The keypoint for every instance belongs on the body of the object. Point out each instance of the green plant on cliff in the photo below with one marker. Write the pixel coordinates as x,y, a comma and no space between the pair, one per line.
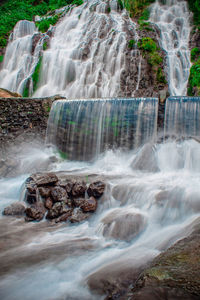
194,79
1,58
194,6
137,7
45,23
195,52
36,74
12,11
131,44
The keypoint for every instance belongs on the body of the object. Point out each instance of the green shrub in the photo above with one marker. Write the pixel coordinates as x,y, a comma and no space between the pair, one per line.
147,44
136,7
194,79
36,74
44,24
1,58
44,46
160,77
131,44
120,3
154,58
195,52
12,11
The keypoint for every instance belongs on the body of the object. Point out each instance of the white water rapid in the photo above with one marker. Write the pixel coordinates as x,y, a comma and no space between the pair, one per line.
173,20
86,54
21,57
151,200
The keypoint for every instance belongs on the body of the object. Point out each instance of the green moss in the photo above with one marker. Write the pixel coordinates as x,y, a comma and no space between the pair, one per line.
36,74
194,79
131,44
44,46
195,52
147,44
137,7
160,77
1,58
62,154
26,92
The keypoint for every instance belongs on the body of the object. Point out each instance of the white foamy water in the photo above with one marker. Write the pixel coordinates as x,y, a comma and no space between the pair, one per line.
173,20
142,213
21,57
86,55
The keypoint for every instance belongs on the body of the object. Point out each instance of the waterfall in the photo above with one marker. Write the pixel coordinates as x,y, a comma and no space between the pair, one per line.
173,20
182,116
21,57
83,129
87,52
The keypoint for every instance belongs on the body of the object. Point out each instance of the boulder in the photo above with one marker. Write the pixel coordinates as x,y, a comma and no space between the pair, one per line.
78,201
48,203
57,210
64,217
89,205
45,192
145,160
96,189
78,216
78,189
15,209
44,179
36,212
123,225
58,194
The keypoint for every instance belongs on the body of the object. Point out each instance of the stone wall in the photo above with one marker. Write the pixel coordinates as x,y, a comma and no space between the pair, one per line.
23,119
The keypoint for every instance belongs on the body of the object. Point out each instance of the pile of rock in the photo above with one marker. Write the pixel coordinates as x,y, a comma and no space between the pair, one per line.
59,201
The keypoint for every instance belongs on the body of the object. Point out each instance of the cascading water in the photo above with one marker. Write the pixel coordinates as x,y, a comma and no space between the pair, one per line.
182,116
83,129
21,56
173,20
86,55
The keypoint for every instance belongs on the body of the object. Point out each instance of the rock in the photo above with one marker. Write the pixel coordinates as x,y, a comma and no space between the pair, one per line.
44,179
45,192
31,198
89,205
78,216
48,203
96,189
15,209
64,217
123,225
174,274
145,160
35,213
69,186
57,210
78,201
78,189
58,194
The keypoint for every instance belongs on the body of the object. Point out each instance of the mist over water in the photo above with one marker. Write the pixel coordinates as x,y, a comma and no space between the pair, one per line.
145,209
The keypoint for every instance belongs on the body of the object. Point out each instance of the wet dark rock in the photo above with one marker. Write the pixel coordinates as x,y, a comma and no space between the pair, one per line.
65,216
68,186
45,192
58,193
48,203
44,179
96,189
174,274
78,189
123,225
31,198
78,201
35,213
78,216
57,210
15,209
89,205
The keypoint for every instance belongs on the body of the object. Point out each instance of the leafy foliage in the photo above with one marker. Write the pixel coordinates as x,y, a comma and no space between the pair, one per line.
194,6
12,11
131,44
195,52
194,79
136,7
147,44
